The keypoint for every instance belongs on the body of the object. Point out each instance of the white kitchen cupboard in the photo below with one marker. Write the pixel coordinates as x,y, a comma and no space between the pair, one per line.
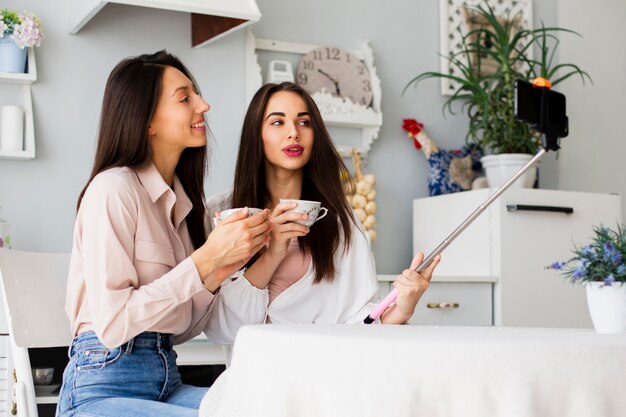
9,93
513,240
451,301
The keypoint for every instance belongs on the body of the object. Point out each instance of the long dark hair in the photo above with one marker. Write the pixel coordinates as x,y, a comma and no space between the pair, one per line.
130,99
321,179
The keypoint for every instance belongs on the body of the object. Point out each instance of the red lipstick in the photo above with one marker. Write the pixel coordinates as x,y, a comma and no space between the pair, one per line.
293,150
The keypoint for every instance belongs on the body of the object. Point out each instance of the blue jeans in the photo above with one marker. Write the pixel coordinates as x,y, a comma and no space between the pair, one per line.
139,378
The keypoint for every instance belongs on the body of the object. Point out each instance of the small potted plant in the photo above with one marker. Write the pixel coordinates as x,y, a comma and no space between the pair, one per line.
18,31
492,56
601,267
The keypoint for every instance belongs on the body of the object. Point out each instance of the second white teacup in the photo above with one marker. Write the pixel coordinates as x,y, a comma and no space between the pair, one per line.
225,213
311,208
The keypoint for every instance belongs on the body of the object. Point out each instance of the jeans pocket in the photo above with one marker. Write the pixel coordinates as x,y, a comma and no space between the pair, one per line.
98,357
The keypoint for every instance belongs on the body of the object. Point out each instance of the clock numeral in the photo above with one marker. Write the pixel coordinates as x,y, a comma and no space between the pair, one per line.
367,87
361,69
308,65
364,101
348,57
317,54
303,78
333,53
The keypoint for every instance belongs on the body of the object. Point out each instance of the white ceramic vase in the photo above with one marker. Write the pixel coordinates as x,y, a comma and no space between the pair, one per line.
607,306
500,168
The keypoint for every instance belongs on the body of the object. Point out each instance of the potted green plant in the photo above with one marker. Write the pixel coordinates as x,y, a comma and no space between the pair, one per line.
492,56
18,31
601,267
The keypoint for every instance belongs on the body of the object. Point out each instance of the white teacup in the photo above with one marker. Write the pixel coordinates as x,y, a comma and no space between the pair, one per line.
311,208
225,213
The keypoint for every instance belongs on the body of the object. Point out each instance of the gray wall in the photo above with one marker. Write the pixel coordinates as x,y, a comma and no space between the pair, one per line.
38,197
593,158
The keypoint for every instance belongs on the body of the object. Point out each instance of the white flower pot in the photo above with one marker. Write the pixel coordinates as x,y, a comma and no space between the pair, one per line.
607,306
501,167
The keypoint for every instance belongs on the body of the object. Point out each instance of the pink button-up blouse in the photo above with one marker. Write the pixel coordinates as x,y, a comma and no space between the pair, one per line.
130,269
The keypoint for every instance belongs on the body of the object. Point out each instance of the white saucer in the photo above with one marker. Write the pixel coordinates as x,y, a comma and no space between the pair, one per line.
43,390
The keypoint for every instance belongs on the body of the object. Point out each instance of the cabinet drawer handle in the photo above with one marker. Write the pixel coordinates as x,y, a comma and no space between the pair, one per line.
442,305
527,207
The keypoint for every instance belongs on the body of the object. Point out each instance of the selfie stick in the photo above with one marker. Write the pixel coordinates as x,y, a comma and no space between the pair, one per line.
391,297
549,142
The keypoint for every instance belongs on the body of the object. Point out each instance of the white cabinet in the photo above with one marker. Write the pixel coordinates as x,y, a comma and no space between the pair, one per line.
514,246
451,301
18,85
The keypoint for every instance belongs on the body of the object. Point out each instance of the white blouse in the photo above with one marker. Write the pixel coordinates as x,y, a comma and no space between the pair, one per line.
348,299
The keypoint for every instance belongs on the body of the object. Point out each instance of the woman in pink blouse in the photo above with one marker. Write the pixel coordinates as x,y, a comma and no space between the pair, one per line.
143,273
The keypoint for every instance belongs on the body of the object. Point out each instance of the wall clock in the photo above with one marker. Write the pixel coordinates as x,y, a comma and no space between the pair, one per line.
337,71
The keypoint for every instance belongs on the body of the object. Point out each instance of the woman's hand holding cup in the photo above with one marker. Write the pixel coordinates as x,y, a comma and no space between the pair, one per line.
231,244
286,226
311,208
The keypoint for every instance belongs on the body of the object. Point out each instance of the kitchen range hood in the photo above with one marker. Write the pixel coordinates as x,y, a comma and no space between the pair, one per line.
210,19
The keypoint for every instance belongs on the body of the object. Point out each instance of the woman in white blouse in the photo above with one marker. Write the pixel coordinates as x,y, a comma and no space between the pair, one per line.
143,273
321,274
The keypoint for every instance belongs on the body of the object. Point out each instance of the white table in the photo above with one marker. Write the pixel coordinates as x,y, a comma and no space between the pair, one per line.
358,370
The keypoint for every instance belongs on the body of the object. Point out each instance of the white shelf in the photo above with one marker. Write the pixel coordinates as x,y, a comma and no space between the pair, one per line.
26,79
344,113
22,78
47,399
228,15
47,394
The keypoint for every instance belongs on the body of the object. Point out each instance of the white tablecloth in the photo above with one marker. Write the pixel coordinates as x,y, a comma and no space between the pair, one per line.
376,370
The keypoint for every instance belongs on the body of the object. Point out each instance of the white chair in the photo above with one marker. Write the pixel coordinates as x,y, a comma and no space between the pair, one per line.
34,297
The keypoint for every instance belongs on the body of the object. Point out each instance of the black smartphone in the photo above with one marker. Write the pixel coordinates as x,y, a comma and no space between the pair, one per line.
542,108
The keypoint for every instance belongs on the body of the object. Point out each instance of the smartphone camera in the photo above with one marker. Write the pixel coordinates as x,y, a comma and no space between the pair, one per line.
542,108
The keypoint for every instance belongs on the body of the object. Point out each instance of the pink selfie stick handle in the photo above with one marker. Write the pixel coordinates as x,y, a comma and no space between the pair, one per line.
391,297
384,304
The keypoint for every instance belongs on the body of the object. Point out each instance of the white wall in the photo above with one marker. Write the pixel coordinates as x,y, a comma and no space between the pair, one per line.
38,197
592,158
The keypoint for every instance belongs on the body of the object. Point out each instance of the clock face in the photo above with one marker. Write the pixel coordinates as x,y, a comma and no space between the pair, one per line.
338,72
